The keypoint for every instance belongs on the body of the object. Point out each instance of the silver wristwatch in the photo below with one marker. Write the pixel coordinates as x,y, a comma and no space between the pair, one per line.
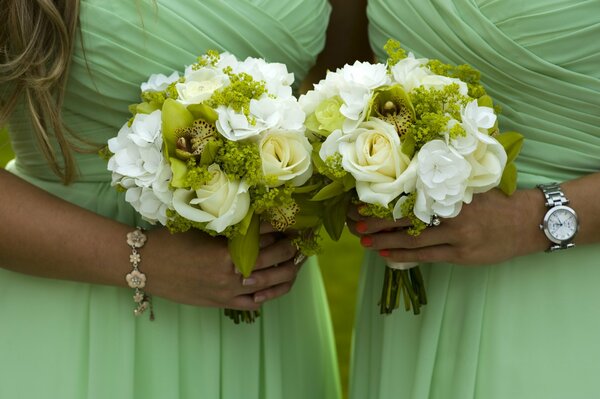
560,221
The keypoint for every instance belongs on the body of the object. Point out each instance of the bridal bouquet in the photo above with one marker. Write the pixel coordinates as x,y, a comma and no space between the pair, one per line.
412,138
220,149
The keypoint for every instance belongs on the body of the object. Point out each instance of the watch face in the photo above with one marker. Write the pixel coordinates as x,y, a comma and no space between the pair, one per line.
561,224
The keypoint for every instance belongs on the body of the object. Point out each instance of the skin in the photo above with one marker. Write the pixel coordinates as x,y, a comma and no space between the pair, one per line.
491,229
62,241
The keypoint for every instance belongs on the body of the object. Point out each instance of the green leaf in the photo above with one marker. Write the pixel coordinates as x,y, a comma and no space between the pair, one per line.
512,143
174,116
334,215
331,190
244,248
204,112
508,182
179,169
485,101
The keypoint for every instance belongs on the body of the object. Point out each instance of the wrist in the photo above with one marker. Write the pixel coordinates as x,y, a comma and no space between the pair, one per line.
531,211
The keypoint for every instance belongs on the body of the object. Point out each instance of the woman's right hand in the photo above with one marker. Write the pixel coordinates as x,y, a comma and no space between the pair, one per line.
196,269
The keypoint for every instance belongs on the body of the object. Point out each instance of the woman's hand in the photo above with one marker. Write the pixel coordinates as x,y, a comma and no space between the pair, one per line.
196,269
492,228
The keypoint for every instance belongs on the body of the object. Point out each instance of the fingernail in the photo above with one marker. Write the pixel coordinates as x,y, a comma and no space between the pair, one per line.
259,298
299,258
248,281
366,241
384,252
361,226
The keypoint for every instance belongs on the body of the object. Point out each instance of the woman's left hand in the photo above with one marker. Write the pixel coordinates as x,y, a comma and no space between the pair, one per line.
492,228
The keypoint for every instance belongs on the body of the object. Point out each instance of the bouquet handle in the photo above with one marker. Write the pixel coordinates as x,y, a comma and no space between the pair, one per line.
402,279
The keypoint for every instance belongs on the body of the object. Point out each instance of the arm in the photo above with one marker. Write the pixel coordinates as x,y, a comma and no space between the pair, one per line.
491,229
45,236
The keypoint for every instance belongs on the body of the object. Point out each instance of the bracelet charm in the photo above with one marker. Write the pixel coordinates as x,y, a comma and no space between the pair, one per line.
136,279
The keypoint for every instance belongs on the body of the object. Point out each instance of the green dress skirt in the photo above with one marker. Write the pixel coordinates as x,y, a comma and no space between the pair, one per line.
67,340
527,328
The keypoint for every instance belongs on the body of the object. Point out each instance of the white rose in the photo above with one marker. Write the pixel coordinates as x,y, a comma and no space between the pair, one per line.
220,202
442,181
286,155
200,85
487,165
159,82
372,154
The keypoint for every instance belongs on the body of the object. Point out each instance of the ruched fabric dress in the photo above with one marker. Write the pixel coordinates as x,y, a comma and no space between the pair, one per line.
67,340
527,328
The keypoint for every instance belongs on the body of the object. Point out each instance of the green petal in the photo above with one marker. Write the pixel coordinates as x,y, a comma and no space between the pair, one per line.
201,111
179,169
174,116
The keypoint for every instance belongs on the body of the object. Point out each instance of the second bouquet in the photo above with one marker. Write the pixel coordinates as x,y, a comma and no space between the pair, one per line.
412,138
220,148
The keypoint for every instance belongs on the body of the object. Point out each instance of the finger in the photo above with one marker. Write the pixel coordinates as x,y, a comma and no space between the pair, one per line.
267,239
400,239
376,225
272,293
242,302
266,227
266,278
277,253
437,253
353,213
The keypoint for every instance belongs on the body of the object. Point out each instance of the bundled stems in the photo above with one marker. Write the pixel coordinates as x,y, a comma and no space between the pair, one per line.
407,283
239,316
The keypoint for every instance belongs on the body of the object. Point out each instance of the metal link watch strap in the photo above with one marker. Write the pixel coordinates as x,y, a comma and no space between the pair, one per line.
554,195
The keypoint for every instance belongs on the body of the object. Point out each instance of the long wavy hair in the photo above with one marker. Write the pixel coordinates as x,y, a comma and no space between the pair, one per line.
36,44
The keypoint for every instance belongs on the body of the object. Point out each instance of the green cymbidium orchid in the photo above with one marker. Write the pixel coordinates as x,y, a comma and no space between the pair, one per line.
393,105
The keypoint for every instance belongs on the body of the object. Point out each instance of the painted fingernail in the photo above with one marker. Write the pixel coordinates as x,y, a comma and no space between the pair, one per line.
385,253
259,298
248,281
366,241
361,226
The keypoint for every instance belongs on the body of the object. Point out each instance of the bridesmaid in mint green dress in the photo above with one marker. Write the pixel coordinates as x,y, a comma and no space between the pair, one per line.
76,339
504,319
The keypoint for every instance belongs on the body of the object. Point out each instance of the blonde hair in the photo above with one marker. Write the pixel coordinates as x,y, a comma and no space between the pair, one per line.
36,43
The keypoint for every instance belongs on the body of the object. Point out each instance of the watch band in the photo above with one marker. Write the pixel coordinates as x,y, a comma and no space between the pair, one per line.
554,197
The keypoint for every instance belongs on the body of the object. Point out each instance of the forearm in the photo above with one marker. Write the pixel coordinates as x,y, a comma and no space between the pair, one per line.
582,194
45,236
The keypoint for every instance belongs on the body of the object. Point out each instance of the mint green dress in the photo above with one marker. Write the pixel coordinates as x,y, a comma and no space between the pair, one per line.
66,340
528,328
